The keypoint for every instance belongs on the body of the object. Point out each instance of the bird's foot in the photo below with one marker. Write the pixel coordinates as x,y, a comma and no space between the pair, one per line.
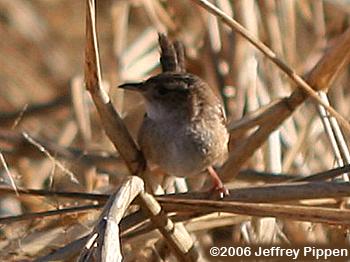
221,190
218,186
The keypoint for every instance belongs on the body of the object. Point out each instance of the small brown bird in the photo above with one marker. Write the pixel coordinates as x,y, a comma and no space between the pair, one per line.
183,131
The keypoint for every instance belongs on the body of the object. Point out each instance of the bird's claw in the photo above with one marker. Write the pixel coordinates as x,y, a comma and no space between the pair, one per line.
221,190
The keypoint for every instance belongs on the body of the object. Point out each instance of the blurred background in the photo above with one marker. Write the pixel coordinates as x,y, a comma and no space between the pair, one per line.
42,92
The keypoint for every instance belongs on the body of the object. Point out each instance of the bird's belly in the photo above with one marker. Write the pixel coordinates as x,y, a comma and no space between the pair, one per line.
178,159
185,159
181,153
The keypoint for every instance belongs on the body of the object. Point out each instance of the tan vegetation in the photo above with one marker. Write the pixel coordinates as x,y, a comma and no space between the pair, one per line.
70,168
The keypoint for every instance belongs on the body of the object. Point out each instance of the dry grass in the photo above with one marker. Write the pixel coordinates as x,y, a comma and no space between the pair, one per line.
66,193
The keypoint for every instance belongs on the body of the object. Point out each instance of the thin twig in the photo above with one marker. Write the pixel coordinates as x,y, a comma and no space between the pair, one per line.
8,173
265,193
20,146
312,214
272,56
338,143
37,215
333,61
35,109
53,160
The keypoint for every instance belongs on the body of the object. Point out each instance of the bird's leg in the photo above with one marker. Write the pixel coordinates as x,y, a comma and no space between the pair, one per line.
217,183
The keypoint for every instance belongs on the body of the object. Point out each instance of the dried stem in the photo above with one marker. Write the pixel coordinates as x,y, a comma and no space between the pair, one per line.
284,67
339,52
110,119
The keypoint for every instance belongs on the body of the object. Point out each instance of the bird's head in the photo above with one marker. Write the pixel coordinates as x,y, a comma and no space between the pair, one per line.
170,94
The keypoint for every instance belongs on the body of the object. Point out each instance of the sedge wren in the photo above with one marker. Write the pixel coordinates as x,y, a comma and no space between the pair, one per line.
183,131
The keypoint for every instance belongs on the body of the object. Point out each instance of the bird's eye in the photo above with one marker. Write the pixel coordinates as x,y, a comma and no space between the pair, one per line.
162,91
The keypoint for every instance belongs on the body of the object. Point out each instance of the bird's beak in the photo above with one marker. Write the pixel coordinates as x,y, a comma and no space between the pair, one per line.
133,86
